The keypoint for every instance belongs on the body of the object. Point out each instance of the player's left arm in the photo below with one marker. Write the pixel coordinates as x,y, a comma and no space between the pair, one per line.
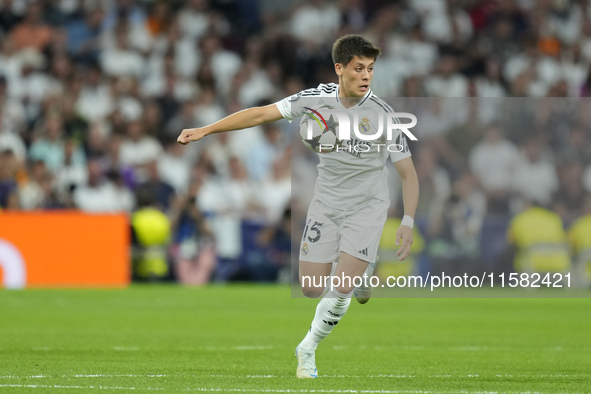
410,198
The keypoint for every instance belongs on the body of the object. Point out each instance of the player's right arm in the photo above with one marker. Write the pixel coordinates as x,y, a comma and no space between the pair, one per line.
240,120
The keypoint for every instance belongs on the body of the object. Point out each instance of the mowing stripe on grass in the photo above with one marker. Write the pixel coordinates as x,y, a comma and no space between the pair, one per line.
59,386
447,376
204,389
87,376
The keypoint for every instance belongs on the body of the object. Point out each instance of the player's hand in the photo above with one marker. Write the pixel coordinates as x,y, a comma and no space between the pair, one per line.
404,233
188,135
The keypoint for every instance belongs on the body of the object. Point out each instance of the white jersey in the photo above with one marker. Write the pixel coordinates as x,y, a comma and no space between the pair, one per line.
350,177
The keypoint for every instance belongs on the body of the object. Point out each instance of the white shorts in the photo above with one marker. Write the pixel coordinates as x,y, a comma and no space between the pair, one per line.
331,231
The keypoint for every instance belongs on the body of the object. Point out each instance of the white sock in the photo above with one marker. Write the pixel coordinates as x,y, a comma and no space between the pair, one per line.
330,310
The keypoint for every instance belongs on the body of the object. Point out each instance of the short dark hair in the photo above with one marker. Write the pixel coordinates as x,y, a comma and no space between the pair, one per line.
346,47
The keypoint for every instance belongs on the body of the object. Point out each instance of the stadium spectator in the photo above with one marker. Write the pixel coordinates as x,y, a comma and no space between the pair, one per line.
8,18
261,156
125,11
221,153
448,82
167,100
196,20
434,183
491,84
207,108
274,191
494,162
84,34
454,230
580,243
8,180
75,126
120,59
184,117
536,242
50,147
95,101
194,254
162,193
224,64
31,194
460,140
110,161
575,146
435,121
12,111
95,143
138,149
535,175
421,53
32,32
315,22
72,174
193,250
277,241
10,140
226,200
103,195
51,197
159,18
28,83
174,168
569,200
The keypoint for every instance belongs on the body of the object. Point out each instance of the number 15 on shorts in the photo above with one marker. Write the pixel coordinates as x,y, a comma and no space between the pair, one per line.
314,231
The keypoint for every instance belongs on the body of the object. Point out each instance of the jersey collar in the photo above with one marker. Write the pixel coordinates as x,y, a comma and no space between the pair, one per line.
367,95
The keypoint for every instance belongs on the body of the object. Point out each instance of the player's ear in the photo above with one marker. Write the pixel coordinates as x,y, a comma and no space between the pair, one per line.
338,68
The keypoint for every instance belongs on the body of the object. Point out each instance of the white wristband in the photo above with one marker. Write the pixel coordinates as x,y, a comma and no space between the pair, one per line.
408,221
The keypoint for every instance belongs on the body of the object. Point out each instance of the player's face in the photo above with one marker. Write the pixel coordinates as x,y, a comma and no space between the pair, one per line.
355,77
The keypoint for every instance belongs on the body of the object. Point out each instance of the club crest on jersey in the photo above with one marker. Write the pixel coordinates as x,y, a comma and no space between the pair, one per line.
364,126
305,249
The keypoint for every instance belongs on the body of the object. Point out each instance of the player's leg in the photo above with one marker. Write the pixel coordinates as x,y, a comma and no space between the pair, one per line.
360,238
364,291
348,268
314,277
319,248
330,310
333,306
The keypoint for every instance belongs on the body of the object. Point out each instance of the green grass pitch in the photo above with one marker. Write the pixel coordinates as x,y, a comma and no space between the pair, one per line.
242,339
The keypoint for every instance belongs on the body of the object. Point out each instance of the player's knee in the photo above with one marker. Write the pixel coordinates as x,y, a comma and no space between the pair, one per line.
344,289
312,292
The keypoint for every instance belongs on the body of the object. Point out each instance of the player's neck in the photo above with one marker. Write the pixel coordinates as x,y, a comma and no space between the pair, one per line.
347,98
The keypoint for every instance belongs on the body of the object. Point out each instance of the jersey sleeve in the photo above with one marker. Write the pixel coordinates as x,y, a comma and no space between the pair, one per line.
402,151
292,107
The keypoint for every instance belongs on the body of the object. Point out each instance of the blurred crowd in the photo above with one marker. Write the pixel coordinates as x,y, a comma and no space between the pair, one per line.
93,94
